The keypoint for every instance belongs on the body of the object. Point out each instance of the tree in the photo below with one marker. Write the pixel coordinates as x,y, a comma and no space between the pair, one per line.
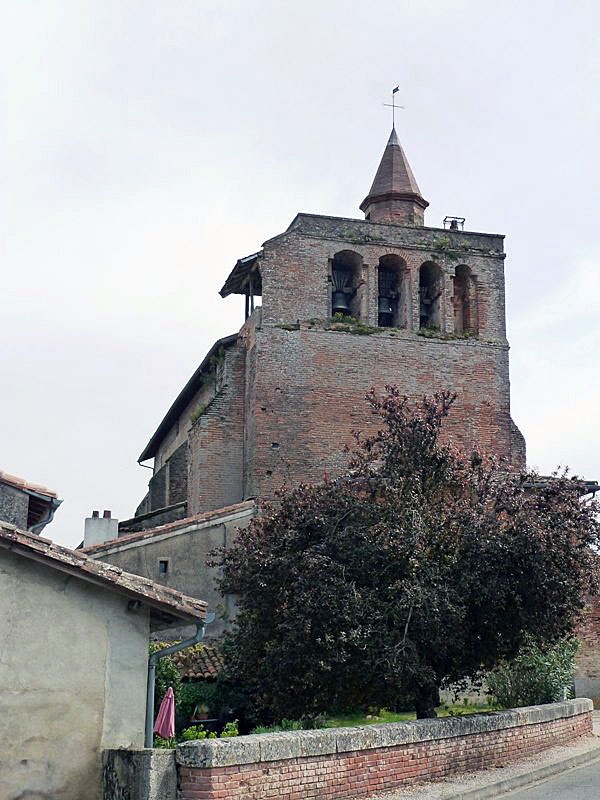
418,568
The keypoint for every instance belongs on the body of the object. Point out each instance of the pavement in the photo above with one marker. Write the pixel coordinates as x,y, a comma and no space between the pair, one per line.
582,757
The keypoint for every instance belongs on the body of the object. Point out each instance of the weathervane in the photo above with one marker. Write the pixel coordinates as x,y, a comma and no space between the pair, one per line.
393,106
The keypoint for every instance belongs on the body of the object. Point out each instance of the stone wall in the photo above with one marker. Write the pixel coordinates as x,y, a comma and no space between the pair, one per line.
139,775
356,762
185,546
153,519
14,506
72,680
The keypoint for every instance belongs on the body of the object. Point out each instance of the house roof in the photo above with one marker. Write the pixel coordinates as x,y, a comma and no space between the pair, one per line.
239,277
200,662
182,399
26,486
167,606
171,528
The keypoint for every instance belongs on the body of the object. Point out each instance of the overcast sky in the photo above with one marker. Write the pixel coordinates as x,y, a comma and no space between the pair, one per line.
146,146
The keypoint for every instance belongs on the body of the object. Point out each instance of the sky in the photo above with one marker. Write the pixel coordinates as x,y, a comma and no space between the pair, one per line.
146,146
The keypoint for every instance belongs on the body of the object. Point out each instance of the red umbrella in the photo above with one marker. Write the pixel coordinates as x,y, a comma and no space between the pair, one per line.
165,719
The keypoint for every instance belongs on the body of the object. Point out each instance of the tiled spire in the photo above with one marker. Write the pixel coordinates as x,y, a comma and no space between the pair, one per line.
394,195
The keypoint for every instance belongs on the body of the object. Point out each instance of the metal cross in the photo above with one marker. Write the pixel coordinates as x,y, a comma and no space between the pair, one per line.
393,106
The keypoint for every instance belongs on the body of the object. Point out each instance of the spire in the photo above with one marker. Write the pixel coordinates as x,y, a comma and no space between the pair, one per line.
394,195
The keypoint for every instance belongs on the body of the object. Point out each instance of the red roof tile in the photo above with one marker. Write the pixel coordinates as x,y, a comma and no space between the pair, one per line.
140,536
163,601
26,486
200,662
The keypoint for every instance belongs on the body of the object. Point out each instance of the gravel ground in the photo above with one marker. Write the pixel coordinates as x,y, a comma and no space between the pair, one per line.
472,785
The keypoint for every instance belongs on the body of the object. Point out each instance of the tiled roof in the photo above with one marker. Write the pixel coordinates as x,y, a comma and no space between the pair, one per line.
183,398
171,527
26,486
199,662
167,605
394,176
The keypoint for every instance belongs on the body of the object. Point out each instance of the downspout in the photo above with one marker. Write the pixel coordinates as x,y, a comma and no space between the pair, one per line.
153,661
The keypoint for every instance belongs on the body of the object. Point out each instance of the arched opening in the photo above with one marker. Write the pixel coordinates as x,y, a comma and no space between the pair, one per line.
430,294
346,284
465,301
392,292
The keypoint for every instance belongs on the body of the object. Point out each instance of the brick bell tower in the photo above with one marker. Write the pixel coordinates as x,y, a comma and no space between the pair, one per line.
350,304
346,305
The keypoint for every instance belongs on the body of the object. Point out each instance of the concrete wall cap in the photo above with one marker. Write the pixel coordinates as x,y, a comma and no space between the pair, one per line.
282,746
220,752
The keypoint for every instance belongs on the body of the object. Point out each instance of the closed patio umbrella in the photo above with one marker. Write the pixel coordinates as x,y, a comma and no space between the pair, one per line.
165,719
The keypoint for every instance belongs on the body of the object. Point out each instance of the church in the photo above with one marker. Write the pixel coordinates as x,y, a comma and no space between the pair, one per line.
333,307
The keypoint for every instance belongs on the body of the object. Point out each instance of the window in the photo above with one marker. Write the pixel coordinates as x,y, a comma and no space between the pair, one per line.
163,566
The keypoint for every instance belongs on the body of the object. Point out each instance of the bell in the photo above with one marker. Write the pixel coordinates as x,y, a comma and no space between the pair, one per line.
339,303
385,305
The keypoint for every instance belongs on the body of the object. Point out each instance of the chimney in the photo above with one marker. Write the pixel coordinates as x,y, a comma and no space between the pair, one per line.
99,529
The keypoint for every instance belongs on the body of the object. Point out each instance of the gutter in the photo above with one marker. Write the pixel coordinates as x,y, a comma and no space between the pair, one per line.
153,661
39,526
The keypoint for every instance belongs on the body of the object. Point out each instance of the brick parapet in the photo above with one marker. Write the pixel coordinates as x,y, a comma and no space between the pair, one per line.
356,762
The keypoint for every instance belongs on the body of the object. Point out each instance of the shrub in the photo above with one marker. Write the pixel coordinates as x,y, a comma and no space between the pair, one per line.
198,693
195,732
536,675
230,729
167,675
165,744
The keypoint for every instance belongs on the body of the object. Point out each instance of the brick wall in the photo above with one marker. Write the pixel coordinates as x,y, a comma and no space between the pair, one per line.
215,460
310,387
587,672
355,762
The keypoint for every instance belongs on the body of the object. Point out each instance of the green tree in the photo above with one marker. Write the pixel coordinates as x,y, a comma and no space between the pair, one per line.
418,568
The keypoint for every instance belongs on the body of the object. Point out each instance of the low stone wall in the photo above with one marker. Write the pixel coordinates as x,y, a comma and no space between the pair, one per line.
355,762
139,775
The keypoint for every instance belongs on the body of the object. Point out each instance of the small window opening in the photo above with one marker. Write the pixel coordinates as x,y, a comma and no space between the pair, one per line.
430,293
163,566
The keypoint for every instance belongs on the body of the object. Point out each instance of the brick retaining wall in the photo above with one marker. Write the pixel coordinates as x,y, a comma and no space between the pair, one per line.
355,762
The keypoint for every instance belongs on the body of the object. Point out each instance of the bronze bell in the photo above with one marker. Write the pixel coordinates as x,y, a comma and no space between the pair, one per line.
339,303
385,312
385,305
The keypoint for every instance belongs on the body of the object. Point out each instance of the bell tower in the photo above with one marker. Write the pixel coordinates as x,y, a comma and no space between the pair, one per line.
394,196
346,305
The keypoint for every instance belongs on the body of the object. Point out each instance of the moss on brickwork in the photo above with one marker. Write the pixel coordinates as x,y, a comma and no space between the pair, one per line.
436,333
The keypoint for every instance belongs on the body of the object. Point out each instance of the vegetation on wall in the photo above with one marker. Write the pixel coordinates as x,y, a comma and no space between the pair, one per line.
418,568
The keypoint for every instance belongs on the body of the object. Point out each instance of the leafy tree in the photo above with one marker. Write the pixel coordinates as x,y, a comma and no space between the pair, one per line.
418,568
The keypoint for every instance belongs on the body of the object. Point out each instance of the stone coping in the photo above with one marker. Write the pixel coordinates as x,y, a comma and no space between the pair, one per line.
266,747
